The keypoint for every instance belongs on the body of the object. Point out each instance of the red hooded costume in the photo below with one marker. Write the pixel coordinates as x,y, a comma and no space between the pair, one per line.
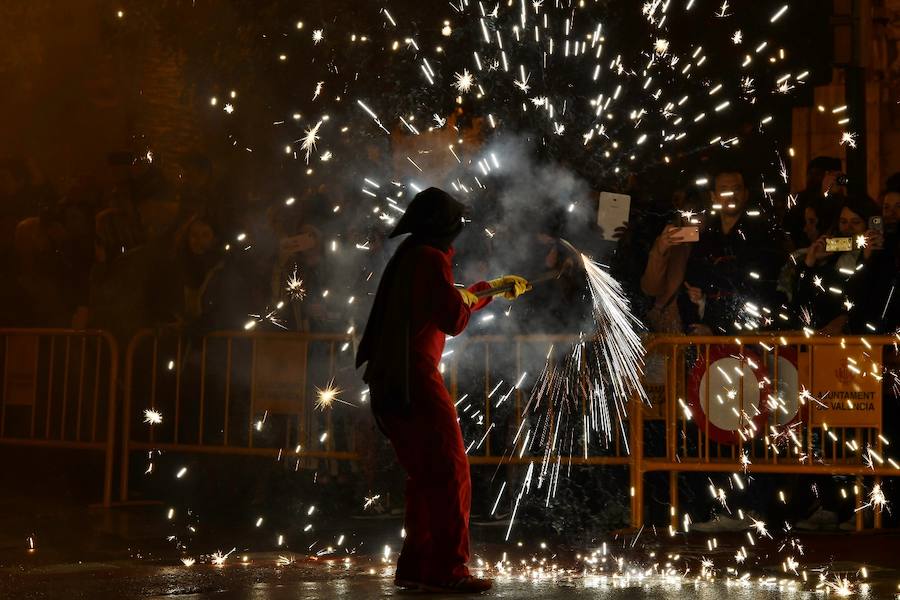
415,308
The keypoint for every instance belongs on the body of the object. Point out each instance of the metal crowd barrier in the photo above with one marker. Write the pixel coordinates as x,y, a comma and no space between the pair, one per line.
759,404
254,393
236,393
59,391
802,406
509,366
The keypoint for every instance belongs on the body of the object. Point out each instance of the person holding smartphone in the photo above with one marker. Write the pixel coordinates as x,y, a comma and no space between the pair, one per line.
667,262
830,284
735,262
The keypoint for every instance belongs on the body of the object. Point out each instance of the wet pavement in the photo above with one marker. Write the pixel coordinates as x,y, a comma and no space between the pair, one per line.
54,546
313,581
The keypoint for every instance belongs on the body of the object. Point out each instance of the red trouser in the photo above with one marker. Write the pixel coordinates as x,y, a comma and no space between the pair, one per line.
430,448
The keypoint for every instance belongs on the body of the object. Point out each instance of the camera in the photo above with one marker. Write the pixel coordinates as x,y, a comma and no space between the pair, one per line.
841,180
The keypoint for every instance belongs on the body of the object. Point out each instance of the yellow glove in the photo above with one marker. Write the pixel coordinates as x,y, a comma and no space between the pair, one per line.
468,297
519,285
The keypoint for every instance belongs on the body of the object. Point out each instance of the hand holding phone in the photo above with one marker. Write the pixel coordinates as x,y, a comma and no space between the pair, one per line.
875,234
613,213
686,235
838,244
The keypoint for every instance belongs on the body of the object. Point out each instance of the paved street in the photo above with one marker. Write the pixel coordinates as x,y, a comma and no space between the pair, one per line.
305,581
135,551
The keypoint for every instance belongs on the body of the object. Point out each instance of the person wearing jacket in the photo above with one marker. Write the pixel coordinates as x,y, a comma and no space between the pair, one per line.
415,308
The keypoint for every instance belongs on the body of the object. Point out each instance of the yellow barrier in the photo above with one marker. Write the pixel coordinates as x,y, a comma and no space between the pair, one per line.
235,380
65,379
513,361
834,383
239,393
225,393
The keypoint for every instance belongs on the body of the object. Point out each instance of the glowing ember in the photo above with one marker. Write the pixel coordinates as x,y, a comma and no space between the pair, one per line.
294,286
152,417
327,396
464,81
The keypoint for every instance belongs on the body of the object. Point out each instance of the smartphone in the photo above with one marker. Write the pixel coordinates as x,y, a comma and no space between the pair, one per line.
877,224
841,244
686,235
613,212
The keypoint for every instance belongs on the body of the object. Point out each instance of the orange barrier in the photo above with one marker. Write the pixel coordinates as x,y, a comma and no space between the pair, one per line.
808,406
508,367
238,393
230,391
253,393
59,391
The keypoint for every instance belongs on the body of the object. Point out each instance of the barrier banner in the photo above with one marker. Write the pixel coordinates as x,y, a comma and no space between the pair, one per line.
846,383
655,364
279,376
20,384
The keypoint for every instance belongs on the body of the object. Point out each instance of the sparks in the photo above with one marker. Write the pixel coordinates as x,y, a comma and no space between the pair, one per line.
310,137
849,139
464,81
294,286
152,417
327,396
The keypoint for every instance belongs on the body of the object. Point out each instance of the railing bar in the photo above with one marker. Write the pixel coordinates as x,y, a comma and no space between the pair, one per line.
487,400
202,391
34,399
154,365
97,358
329,418
178,359
5,385
228,349
49,387
62,417
706,404
80,389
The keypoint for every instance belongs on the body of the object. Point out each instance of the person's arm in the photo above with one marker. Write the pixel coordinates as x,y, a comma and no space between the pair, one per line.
449,309
653,281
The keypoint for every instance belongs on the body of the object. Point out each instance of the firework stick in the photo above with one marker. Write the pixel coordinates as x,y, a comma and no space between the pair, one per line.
498,291
549,276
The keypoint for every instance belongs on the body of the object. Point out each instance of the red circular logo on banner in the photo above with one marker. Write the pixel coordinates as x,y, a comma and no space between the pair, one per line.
737,390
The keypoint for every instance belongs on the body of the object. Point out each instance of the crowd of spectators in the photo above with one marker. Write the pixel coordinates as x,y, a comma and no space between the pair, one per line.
147,251
759,266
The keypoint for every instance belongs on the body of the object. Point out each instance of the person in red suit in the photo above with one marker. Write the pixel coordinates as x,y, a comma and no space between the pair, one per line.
415,308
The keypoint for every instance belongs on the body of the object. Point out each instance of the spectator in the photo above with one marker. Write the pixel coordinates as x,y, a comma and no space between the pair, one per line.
666,264
116,303
829,285
813,229
733,264
890,211
198,256
302,256
41,272
560,304
821,183
881,298
196,181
